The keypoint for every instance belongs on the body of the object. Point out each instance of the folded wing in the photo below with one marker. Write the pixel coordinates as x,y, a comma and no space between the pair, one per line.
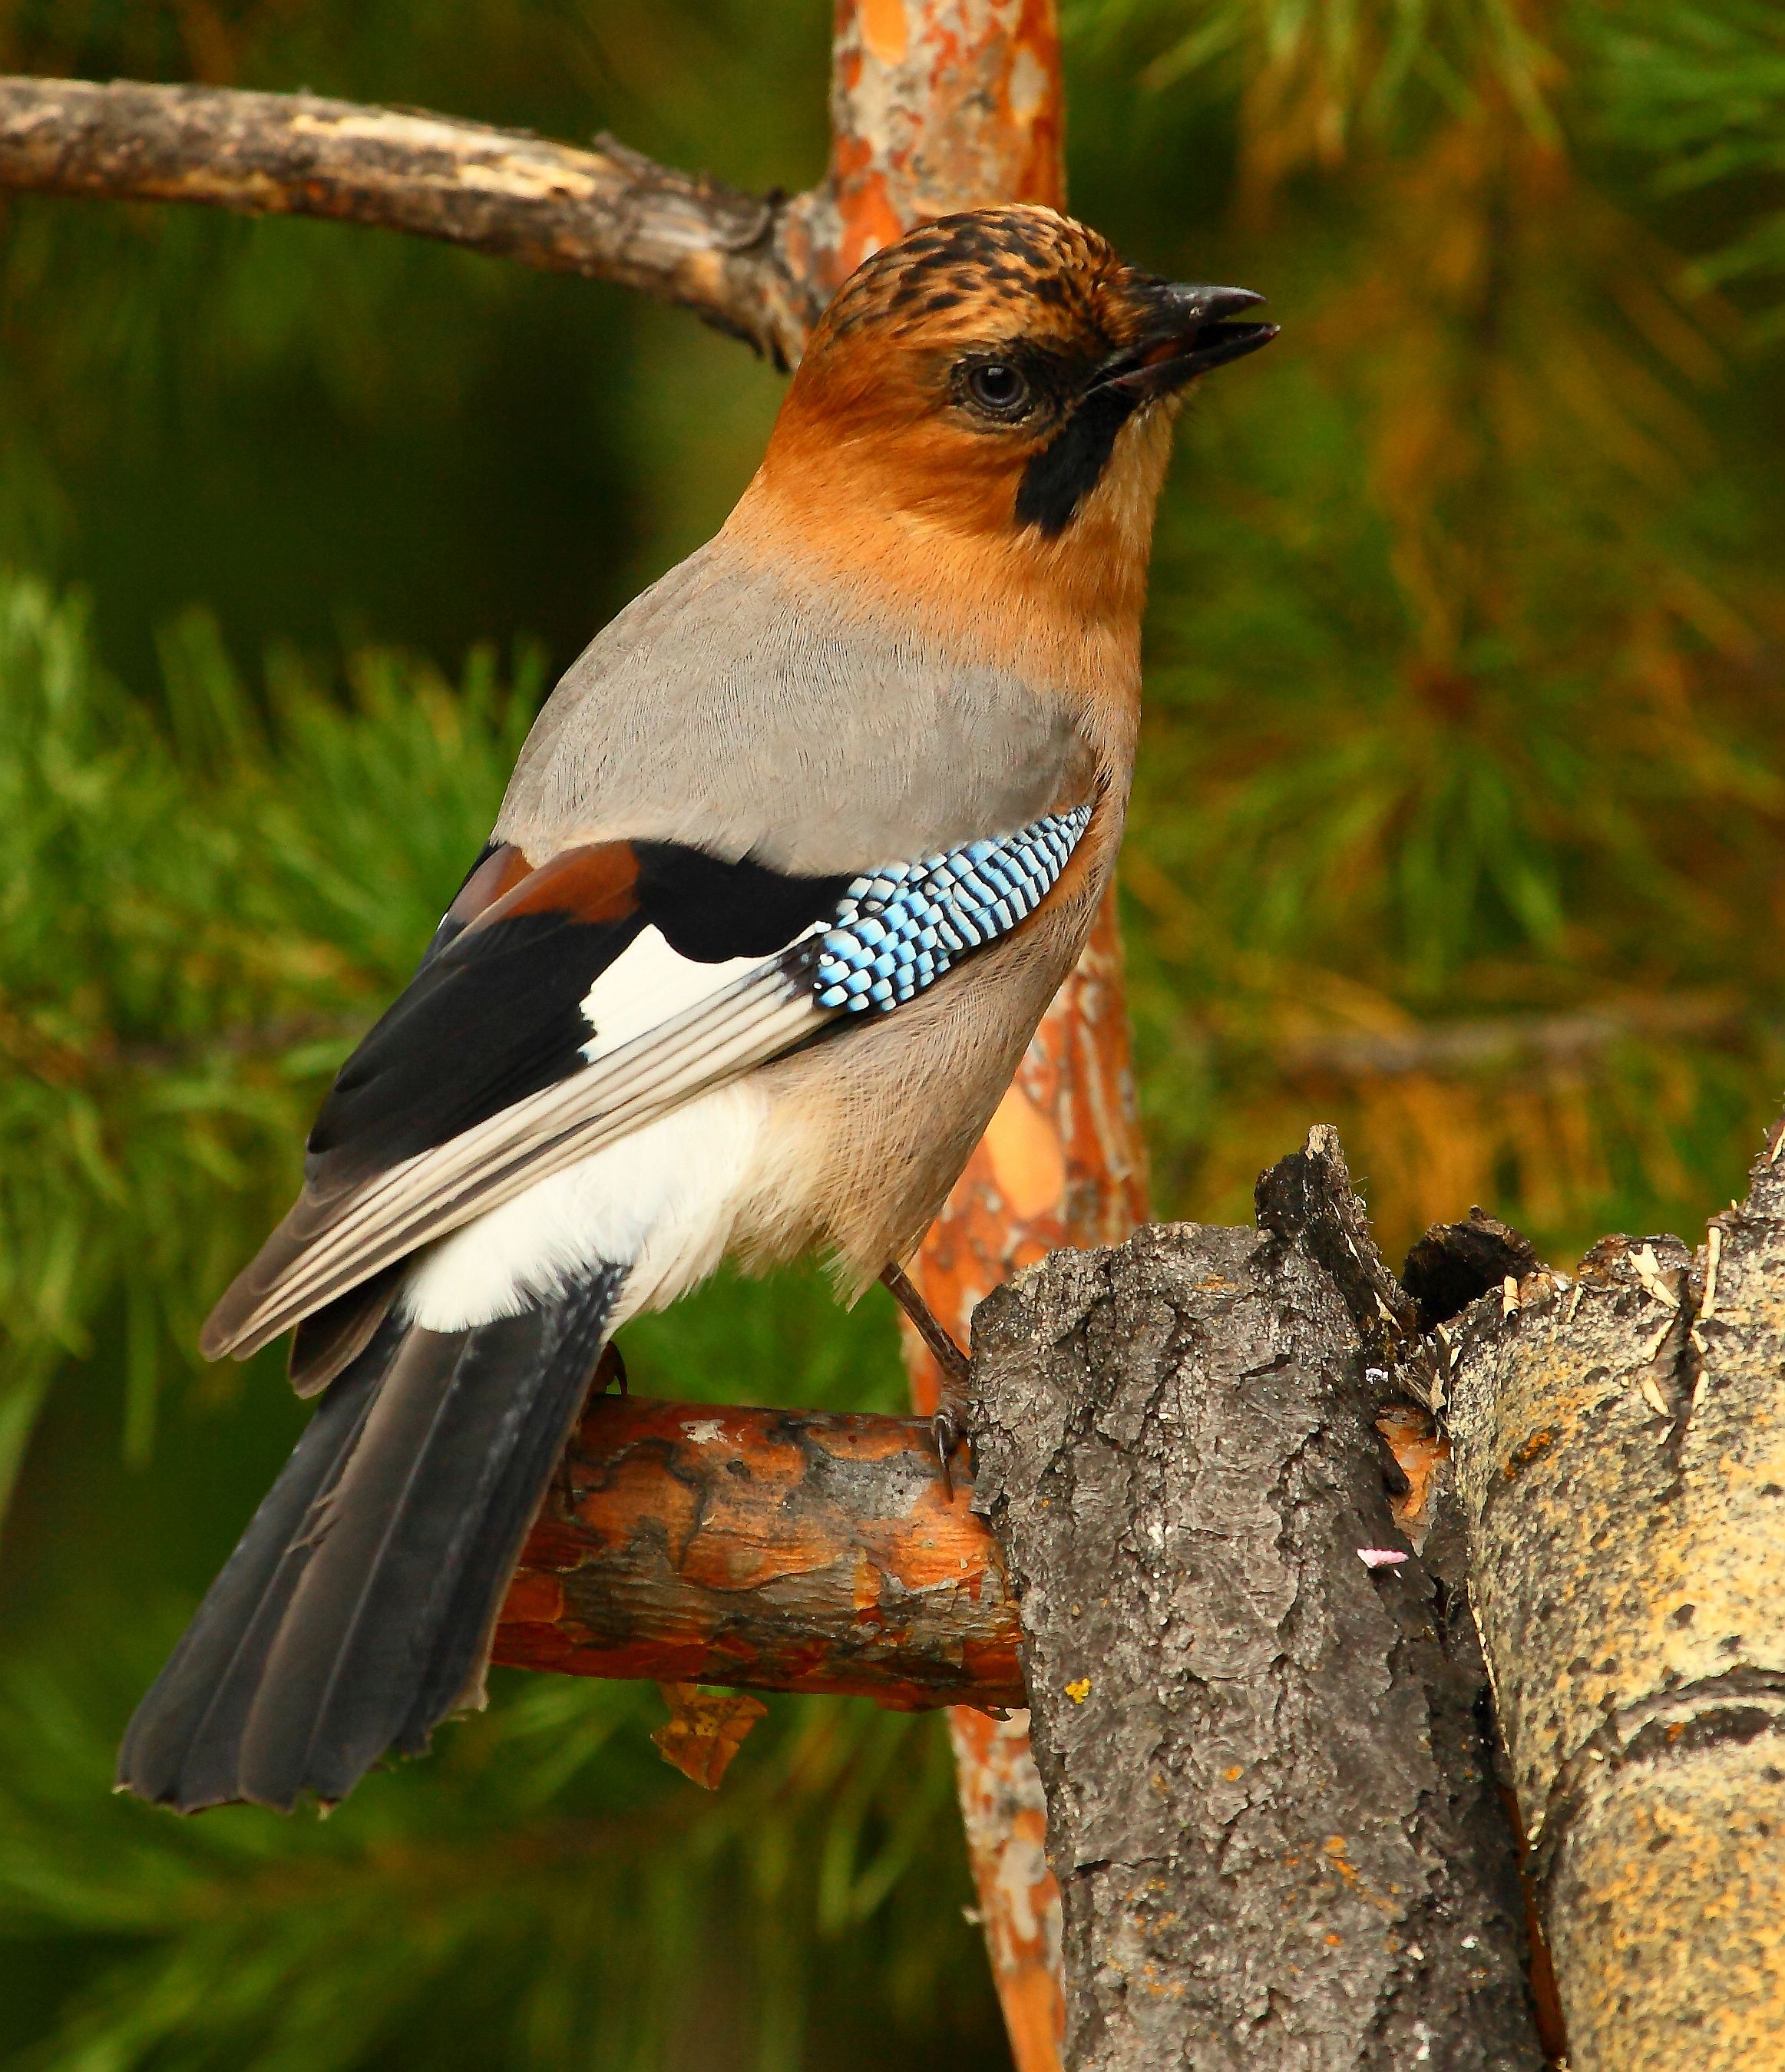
561,1007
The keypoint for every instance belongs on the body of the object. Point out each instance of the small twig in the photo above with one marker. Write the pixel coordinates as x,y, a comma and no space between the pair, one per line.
1496,1043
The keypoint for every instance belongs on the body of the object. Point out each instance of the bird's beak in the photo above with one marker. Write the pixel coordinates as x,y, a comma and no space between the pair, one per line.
1192,329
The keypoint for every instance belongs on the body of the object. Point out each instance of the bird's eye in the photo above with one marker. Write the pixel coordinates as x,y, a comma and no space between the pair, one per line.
997,388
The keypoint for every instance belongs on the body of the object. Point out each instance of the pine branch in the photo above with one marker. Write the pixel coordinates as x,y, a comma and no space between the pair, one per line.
771,1549
608,212
1570,1042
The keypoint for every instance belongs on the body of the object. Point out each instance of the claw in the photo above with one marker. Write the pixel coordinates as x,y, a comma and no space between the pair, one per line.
945,1434
948,1430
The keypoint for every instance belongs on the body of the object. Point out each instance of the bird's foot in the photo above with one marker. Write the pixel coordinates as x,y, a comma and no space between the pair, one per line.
610,1370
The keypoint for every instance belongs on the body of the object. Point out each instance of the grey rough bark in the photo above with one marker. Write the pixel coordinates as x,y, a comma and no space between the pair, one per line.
1619,1453
608,212
1271,1806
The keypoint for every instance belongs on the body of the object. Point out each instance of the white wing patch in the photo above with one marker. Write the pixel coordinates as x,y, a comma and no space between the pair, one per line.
752,1019
647,984
663,1199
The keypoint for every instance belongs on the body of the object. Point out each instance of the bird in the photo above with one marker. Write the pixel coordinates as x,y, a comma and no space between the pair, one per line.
789,868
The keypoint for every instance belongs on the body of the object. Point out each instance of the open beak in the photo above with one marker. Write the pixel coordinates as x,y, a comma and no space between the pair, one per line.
1196,330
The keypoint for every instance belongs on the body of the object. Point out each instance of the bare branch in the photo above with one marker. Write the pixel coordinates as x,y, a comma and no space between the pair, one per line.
608,212
777,1550
1564,1044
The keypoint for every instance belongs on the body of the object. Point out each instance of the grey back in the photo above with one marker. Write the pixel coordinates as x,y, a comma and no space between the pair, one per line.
723,709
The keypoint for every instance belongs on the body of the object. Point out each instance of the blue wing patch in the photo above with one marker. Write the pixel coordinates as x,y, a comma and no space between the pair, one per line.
899,930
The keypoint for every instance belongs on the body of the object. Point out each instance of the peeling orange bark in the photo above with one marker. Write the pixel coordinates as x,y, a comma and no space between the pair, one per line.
937,105
705,1730
770,1549
1062,1162
1421,1452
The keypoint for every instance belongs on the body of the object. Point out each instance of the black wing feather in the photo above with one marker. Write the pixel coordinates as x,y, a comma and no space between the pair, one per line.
495,1017
494,1013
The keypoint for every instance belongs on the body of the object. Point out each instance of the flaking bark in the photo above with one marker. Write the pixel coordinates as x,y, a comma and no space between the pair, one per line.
1619,1452
1271,1808
766,1549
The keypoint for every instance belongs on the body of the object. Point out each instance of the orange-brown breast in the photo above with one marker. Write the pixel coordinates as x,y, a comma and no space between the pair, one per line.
920,522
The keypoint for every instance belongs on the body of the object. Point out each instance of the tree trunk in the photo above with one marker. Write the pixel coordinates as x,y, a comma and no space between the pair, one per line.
936,106
1062,1164
1270,1796
1620,1458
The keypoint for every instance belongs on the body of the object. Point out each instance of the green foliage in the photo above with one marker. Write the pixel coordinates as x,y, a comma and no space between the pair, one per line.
1464,706
206,907
1700,91
541,1879
186,945
1460,822
1323,75
325,437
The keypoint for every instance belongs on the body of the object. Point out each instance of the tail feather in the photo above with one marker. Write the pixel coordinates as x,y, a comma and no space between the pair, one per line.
329,1339
455,1667
368,1604
181,1720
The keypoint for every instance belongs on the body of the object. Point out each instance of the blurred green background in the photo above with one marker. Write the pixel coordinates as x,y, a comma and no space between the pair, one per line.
1461,823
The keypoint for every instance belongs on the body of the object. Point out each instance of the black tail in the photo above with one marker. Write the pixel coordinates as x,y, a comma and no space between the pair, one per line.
357,1610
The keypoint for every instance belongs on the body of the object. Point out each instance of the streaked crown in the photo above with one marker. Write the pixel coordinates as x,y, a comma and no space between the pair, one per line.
1015,270
984,371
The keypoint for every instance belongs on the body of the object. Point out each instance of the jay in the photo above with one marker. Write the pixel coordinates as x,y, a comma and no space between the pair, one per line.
792,863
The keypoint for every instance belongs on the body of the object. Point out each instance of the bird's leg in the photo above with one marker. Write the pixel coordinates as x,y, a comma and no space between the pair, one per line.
949,1424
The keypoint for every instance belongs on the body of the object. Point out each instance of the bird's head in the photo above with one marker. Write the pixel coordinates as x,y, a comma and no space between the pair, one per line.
999,387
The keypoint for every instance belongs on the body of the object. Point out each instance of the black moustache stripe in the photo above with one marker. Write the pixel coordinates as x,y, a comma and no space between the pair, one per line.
1058,479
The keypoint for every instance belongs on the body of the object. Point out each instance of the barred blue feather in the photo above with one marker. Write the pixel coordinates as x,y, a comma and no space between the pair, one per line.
898,930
